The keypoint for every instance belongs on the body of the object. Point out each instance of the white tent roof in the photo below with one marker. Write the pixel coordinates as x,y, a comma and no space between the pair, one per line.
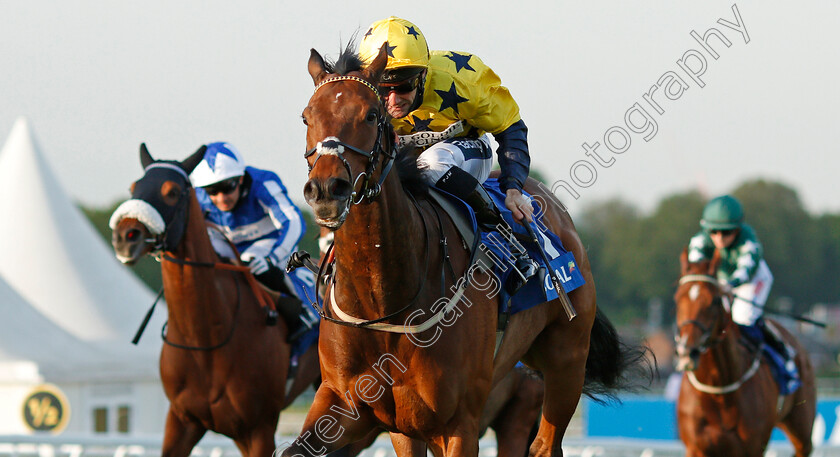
27,336
54,259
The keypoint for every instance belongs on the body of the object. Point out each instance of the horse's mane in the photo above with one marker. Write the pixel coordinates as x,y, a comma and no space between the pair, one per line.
348,60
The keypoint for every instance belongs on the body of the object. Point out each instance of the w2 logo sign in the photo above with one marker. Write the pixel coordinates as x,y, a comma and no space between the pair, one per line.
46,410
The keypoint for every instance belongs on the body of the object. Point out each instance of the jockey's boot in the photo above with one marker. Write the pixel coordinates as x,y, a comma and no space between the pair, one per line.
288,305
752,334
290,309
775,340
464,186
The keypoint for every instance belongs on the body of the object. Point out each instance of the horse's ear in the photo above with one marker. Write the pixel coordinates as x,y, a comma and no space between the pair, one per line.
684,261
145,158
192,161
373,71
317,69
715,263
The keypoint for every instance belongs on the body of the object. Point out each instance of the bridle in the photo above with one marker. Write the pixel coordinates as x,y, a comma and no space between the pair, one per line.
706,338
334,146
384,145
173,231
709,342
174,225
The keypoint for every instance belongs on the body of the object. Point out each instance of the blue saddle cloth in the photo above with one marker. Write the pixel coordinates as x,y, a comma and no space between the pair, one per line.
304,283
786,376
537,290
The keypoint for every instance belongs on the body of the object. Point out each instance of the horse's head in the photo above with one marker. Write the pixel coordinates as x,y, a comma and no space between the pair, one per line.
155,217
349,140
703,310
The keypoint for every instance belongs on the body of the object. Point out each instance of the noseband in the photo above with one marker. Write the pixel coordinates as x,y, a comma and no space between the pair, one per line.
335,147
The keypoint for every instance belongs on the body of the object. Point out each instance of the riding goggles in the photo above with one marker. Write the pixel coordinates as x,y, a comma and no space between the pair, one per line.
401,87
222,187
726,232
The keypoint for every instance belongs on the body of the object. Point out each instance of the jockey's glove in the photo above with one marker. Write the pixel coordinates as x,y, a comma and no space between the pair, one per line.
258,265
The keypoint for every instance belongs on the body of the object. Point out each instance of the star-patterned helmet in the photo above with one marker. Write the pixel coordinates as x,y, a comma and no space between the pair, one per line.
408,53
722,213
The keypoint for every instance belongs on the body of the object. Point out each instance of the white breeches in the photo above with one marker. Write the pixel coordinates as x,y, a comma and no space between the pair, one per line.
473,156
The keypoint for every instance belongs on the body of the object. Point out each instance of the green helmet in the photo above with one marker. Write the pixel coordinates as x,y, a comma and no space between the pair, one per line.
722,213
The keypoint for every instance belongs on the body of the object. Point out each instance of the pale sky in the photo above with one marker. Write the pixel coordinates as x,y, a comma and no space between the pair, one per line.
96,78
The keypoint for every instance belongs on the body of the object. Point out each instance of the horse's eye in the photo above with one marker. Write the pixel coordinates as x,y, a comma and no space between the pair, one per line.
371,117
304,121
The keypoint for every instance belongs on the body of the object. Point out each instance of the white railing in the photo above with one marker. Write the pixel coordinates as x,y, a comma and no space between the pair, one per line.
213,446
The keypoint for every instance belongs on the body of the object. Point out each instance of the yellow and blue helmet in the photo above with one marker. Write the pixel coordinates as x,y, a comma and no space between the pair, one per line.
408,53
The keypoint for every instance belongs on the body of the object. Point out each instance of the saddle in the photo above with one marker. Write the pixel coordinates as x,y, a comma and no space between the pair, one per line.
488,250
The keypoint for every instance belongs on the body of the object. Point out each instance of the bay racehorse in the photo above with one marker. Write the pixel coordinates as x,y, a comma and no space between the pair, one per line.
222,367
512,409
405,345
729,401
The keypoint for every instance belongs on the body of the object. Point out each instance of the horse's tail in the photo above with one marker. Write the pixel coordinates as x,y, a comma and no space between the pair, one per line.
613,365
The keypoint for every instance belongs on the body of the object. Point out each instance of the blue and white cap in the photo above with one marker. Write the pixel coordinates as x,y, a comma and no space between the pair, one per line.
221,161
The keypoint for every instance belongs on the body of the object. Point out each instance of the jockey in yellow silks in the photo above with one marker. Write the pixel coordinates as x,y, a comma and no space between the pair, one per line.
445,103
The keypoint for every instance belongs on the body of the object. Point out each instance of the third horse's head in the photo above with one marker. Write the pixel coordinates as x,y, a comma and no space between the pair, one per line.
702,311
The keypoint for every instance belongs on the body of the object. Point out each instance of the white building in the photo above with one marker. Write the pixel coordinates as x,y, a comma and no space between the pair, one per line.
69,309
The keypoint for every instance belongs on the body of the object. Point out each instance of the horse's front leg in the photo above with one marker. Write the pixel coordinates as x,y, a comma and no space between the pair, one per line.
407,447
258,443
179,437
333,422
460,439
460,444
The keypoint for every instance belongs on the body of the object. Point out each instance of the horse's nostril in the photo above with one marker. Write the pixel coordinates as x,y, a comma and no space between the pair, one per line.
340,188
310,190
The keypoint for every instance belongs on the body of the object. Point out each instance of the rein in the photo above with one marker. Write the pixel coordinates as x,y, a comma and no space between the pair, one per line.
261,295
215,346
374,324
717,390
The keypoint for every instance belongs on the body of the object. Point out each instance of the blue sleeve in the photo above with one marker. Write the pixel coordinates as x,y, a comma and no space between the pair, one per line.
286,217
514,159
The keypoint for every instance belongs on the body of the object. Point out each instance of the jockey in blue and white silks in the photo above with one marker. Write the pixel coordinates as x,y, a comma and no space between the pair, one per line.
252,208
265,223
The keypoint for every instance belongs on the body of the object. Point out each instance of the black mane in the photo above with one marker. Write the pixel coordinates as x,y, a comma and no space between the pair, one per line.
348,60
